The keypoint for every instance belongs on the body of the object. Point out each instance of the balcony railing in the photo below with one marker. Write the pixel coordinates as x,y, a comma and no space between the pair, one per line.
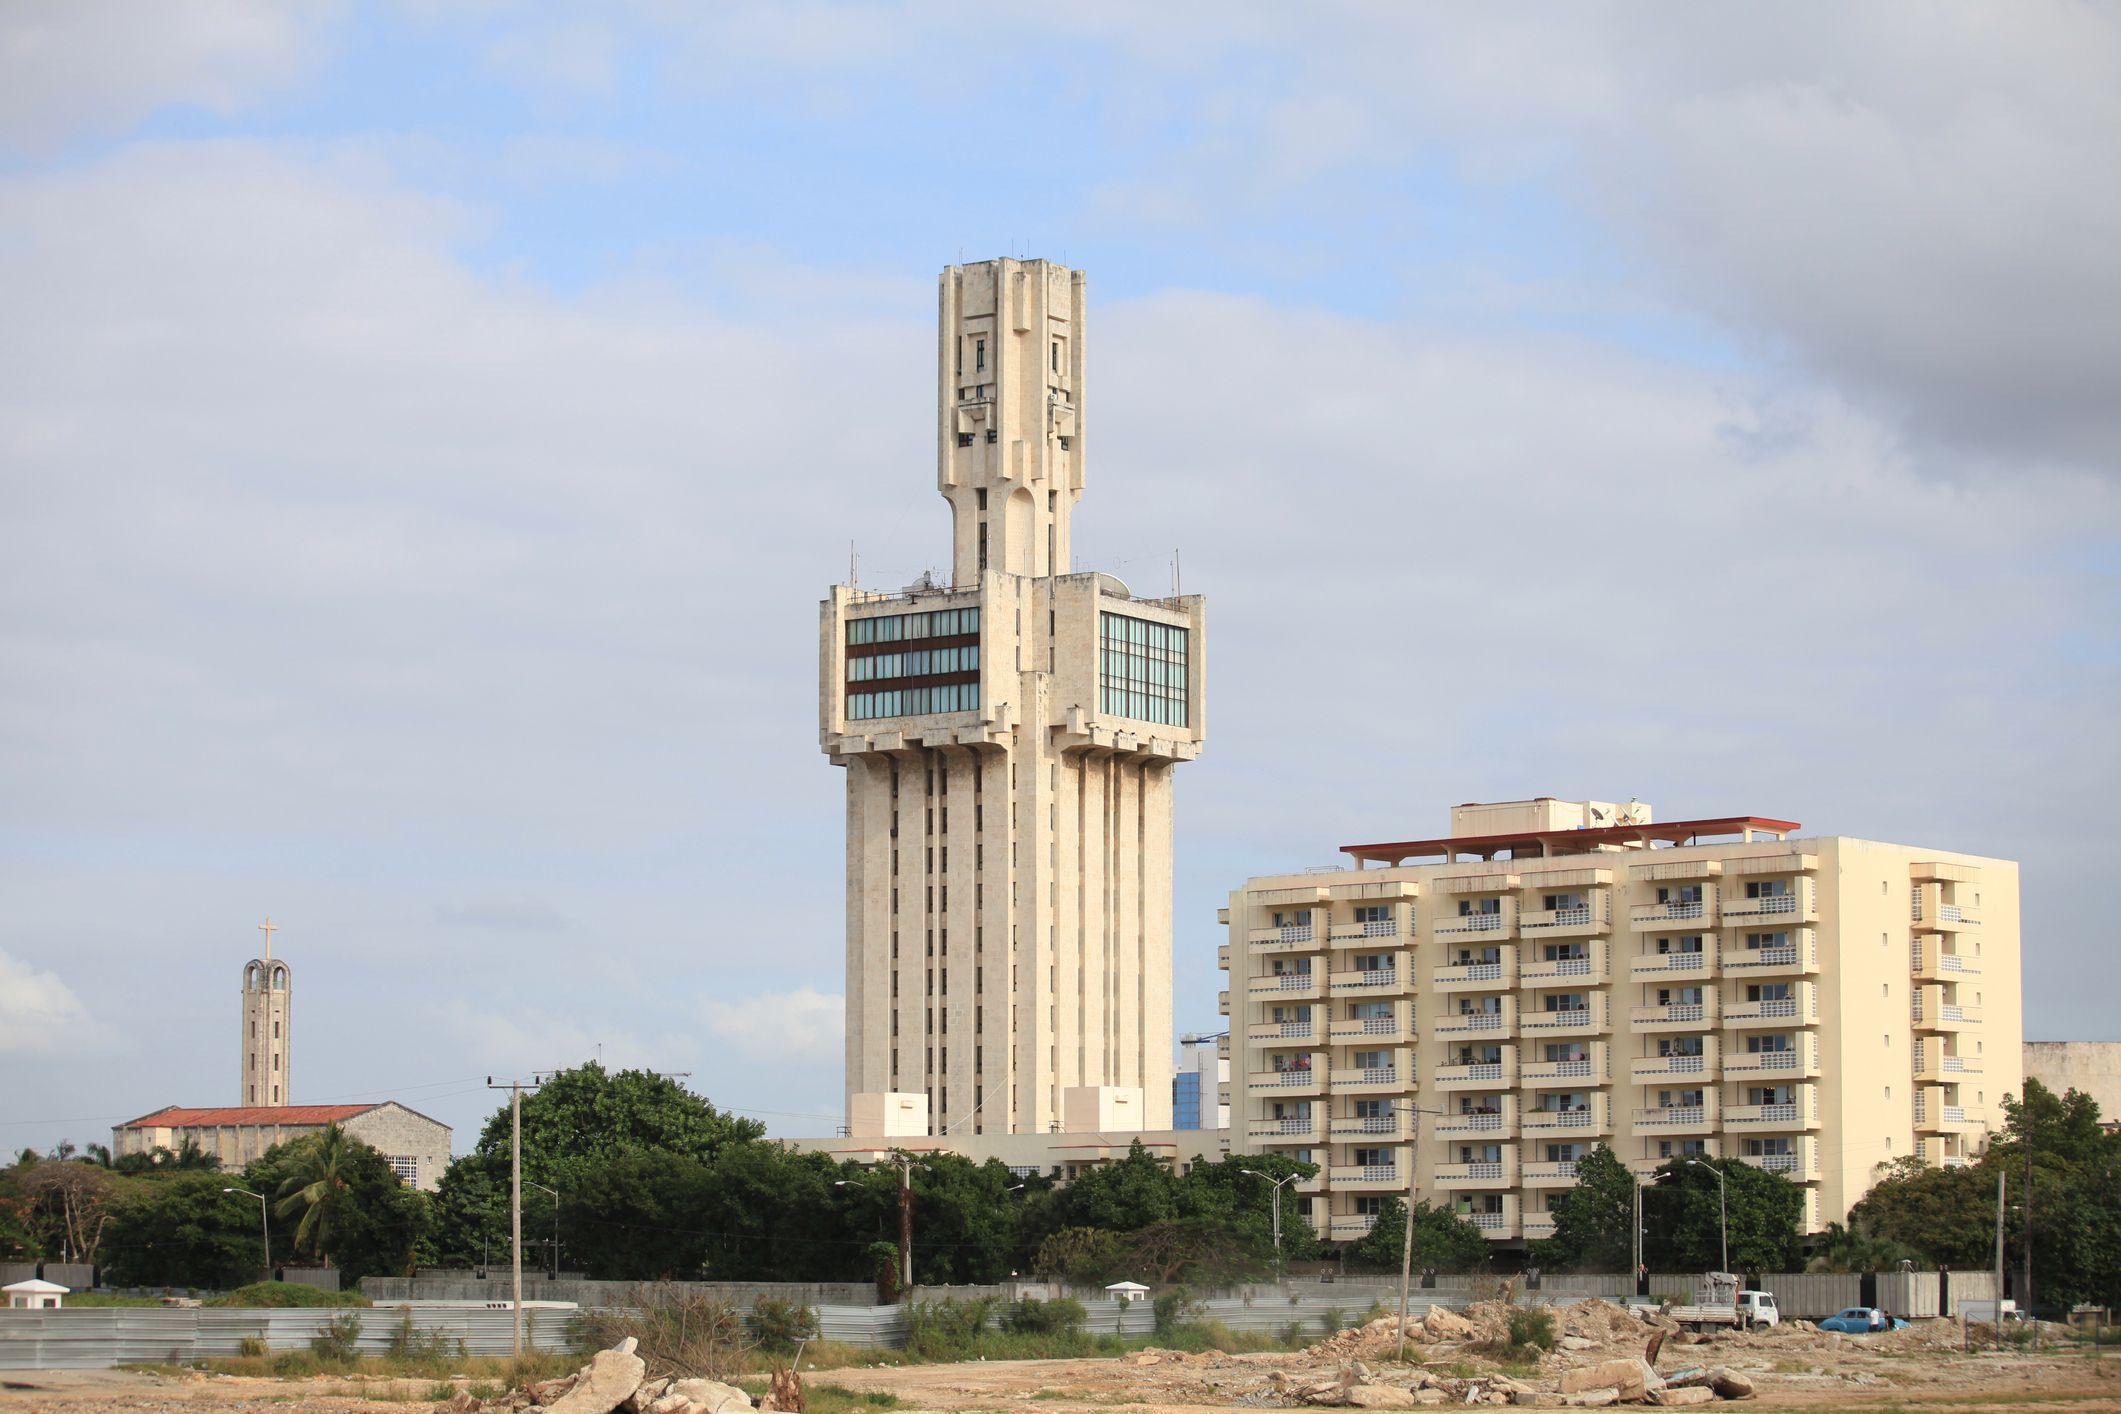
1286,938
1674,965
1545,971
1476,976
1365,979
1290,1078
1482,1173
1677,1016
1299,983
1669,1067
1372,1026
1663,915
1562,1019
1281,1030
1473,923
1374,928
1495,1073
1473,1123
1293,1126
1571,1121
1476,1023
1764,1062
1557,1172
1788,1115
1365,1174
1367,1075
1561,1071
1674,1117
1368,1125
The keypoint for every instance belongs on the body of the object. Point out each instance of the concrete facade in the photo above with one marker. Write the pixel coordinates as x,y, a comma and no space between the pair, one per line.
1009,738
417,1146
268,1036
2093,1067
1560,974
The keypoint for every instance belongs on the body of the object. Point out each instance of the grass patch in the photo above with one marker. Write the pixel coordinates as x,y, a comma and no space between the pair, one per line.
832,1399
100,1300
502,1371
284,1294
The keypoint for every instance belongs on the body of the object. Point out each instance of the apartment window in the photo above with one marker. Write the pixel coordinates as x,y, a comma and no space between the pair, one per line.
1056,355
979,355
1142,670
1767,888
1373,913
405,1166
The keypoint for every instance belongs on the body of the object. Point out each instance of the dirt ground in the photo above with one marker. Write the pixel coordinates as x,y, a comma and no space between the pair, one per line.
1791,1367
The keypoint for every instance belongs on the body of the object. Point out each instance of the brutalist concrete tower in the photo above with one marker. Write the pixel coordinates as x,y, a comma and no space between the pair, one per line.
1008,738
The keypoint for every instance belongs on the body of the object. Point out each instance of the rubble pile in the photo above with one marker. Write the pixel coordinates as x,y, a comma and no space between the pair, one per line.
616,1381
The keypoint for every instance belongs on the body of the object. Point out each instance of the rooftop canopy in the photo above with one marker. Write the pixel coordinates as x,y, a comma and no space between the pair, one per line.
1543,844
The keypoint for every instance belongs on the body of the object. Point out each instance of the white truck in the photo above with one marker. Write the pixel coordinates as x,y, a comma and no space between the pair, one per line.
1719,1302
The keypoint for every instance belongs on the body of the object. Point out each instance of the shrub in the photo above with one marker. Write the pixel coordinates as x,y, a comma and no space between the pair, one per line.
947,1329
782,1325
680,1331
1173,1310
409,1344
1061,1316
337,1341
253,1347
1532,1328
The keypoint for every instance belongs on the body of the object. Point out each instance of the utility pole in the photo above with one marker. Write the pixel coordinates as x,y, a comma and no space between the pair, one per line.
905,1223
1406,1245
1999,1256
2025,1283
515,1191
1276,1184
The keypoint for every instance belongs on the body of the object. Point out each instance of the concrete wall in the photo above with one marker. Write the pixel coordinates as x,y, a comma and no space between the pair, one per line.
597,1295
2091,1066
398,1131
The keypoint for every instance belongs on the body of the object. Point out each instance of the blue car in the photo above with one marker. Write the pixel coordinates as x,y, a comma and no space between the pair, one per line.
1862,1320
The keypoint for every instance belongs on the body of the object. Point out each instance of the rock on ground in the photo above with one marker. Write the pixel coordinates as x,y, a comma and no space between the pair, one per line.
1591,1398
1380,1397
610,1380
1690,1394
711,1396
1632,1378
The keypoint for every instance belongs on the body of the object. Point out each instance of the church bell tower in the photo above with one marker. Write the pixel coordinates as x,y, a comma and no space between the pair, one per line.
266,1038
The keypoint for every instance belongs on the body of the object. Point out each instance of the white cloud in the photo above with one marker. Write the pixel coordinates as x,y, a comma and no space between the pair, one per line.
39,1013
803,1027
93,66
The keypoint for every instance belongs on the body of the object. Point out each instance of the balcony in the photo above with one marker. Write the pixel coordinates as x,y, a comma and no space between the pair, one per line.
1931,961
1934,1116
1930,915
1345,935
1297,1129
1677,1119
1369,1177
1396,1029
1353,1227
1655,968
1222,957
1561,1173
1800,956
1799,905
1579,1123
1287,986
1481,1126
1675,917
1677,1016
1943,1151
1593,918
1477,1025
1553,1074
1801,1062
1930,1012
1800,1008
1649,1164
1478,1075
1933,1062
1590,969
1399,1075
1572,1021
1538,1225
1222,1002
1801,1165
1394,1125
1801,1112
1306,1080
1497,976
1499,924
1363,981
1483,1173
1282,1031
1293,937
1497,1226
1663,1069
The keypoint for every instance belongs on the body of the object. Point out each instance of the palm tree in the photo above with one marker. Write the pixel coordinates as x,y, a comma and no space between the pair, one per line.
191,1155
99,1154
317,1189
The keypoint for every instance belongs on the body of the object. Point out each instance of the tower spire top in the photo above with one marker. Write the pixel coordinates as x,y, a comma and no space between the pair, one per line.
268,928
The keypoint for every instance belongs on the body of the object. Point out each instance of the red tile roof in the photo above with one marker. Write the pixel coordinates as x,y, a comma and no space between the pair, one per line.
180,1117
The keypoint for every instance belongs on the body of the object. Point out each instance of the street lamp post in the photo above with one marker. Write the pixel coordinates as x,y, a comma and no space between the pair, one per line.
1723,1207
1277,1185
555,1269
905,1216
264,1225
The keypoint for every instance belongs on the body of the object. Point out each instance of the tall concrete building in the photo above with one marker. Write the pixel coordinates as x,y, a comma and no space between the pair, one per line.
1008,737
267,1037
1554,975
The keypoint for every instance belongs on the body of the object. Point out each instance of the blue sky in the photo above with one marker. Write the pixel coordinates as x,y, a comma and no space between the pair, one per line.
426,431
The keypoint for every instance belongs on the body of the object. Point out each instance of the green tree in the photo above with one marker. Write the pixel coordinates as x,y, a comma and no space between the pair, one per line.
350,1206
1946,1216
1593,1219
1848,1249
181,1229
1443,1240
1085,1256
1683,1217
576,1122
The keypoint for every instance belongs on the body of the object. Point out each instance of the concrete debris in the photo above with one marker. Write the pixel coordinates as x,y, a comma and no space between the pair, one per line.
1633,1378
614,1381
1692,1394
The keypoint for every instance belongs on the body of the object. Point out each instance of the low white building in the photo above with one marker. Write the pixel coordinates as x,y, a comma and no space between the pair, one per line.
34,1295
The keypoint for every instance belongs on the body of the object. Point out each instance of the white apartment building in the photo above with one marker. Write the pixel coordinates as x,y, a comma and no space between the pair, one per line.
1553,975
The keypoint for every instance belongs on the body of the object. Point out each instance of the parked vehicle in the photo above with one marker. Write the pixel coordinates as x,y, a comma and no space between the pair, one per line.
1862,1320
1720,1303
